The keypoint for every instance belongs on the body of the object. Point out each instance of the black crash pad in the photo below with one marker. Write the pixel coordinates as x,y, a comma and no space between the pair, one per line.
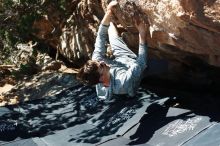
77,117
25,142
169,126
209,137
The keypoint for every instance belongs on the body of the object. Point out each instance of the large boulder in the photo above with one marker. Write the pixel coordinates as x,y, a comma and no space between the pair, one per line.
183,33
72,33
180,29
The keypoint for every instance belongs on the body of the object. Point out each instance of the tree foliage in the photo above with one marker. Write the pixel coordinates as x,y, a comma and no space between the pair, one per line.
17,17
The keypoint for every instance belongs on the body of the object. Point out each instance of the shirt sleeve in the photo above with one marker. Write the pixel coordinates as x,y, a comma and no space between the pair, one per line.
142,56
100,48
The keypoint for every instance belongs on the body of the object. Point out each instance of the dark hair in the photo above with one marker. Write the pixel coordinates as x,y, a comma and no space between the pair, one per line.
89,73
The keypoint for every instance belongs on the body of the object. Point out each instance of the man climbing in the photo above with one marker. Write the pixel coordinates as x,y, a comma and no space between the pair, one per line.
122,74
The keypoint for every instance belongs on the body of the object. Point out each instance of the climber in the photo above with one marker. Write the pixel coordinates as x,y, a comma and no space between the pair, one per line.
122,74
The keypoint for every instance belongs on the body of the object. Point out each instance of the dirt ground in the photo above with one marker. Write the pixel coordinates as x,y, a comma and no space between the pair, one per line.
47,82
6,88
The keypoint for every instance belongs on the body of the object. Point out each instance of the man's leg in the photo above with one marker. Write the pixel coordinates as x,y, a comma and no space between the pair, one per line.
118,46
112,30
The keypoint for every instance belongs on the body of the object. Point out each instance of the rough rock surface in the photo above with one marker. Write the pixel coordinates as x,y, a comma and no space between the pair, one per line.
180,31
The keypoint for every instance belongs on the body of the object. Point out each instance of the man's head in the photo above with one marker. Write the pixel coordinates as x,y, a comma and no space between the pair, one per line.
93,72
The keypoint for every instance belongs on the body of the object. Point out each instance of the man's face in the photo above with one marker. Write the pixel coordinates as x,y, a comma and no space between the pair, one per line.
103,71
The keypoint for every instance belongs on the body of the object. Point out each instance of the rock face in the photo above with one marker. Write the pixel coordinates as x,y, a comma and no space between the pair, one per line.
186,28
72,33
181,30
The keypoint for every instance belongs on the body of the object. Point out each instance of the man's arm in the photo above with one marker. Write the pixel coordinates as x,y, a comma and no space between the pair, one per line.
131,79
142,53
133,74
100,49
